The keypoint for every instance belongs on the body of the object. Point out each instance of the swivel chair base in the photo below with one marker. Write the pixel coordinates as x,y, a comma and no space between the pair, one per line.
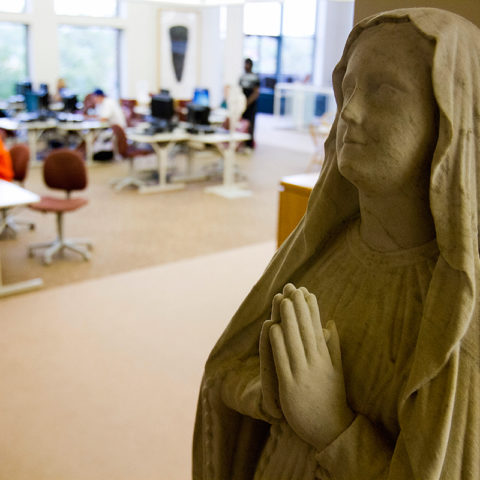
121,183
79,246
10,226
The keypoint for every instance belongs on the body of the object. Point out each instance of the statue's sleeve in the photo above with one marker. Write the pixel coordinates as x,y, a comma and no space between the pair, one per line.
241,389
439,434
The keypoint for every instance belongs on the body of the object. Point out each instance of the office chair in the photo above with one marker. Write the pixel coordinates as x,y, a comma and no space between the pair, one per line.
128,107
129,152
20,156
63,169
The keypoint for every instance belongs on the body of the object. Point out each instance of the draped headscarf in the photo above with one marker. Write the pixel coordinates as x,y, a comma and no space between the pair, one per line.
450,314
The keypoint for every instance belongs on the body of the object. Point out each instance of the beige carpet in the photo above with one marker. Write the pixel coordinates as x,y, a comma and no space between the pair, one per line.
131,231
100,378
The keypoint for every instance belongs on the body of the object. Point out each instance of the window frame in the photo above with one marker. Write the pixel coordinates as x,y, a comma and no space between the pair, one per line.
26,28
279,75
118,45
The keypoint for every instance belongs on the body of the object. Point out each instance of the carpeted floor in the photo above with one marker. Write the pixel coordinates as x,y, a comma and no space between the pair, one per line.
100,378
131,231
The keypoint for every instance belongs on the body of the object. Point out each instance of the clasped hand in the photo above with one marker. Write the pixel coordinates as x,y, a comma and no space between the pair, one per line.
301,369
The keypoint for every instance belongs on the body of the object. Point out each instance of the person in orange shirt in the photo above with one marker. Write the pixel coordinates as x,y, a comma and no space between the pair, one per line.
6,169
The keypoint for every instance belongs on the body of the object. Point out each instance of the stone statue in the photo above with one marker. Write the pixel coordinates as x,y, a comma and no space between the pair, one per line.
370,369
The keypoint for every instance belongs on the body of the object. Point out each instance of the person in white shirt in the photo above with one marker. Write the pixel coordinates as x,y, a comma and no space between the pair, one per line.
108,109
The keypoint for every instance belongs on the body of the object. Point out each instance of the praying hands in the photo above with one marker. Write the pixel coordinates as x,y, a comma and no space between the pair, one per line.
301,369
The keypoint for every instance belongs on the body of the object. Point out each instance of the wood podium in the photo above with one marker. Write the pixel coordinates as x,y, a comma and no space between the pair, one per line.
294,194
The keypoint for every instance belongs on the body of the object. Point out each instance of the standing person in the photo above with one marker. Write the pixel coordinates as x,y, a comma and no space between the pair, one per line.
108,110
250,84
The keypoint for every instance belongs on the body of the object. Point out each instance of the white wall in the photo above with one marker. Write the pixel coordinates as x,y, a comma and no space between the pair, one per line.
334,22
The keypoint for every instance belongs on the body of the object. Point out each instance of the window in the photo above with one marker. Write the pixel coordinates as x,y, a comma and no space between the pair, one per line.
280,38
263,51
13,57
89,59
90,8
12,6
297,57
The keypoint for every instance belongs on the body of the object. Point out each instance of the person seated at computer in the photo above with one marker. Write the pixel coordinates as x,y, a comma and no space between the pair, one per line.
108,110
61,88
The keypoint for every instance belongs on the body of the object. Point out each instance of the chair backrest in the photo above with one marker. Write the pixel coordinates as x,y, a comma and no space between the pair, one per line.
128,107
121,139
20,155
64,169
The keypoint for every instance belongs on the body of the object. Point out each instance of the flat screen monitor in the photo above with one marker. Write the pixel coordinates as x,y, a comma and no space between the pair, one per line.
201,97
21,88
70,103
43,99
31,102
198,114
162,107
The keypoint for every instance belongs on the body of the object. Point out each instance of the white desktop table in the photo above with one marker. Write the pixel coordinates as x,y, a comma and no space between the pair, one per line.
162,144
226,144
34,131
12,195
87,130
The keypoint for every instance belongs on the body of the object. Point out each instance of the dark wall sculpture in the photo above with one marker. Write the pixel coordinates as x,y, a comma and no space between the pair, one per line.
179,42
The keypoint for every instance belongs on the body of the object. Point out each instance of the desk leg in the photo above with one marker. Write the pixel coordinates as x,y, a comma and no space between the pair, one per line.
88,139
229,189
19,287
277,99
162,159
32,145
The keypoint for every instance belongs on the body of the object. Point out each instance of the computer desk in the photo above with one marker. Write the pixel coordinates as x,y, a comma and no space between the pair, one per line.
12,195
87,130
162,144
226,144
34,130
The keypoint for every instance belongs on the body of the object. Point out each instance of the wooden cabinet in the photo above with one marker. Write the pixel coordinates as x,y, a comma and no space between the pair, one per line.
294,194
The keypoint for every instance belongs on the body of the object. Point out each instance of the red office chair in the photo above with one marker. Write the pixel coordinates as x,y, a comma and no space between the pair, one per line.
128,107
20,156
63,169
128,152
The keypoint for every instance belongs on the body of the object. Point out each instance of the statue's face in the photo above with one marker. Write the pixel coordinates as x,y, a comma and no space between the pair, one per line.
386,129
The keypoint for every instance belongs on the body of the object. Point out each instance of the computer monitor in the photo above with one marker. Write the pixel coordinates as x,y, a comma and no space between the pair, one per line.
198,114
43,99
31,102
162,107
201,97
70,102
21,88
